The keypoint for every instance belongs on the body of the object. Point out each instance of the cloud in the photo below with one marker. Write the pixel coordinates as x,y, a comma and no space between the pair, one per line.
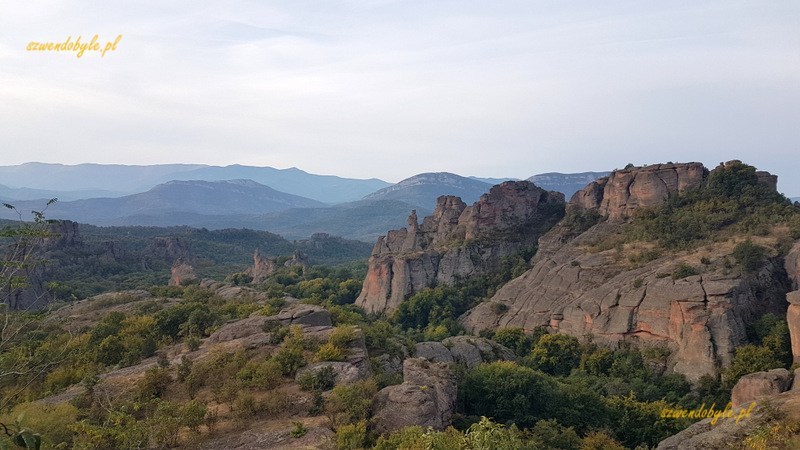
389,89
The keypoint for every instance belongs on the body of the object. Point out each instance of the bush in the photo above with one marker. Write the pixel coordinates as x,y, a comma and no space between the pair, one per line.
329,352
349,404
50,421
683,271
289,359
322,379
299,430
750,358
556,354
342,336
352,436
507,392
749,256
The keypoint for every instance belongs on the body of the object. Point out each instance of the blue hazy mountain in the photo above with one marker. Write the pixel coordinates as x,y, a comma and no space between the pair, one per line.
118,180
178,197
566,183
422,190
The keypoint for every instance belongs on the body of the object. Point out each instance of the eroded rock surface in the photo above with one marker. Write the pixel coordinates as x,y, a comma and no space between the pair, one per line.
181,273
426,398
755,386
578,289
468,350
792,266
457,242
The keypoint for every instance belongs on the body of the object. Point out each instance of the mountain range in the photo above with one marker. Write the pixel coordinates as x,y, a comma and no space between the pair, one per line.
355,209
117,180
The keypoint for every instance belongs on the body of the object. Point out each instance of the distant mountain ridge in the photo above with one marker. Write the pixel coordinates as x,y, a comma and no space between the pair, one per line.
566,183
179,197
423,189
119,180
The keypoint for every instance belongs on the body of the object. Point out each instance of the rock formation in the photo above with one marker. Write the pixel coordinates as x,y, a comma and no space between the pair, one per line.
468,350
569,289
457,242
262,268
755,386
620,193
181,273
426,398
792,266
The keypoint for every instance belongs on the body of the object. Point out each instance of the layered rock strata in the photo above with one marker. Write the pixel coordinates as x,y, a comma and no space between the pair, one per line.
457,242
576,287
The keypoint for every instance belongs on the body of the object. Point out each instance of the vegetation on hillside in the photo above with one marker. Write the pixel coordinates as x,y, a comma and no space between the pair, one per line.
731,200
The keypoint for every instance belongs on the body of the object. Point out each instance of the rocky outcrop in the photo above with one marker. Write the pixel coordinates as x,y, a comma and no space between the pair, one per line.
425,398
181,274
731,429
701,318
792,266
619,194
755,386
345,372
575,288
467,350
457,242
262,268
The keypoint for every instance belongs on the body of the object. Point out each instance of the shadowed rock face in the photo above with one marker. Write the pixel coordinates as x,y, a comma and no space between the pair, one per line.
792,266
569,289
457,241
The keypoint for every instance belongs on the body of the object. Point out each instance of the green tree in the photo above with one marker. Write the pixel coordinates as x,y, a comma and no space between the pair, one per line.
505,391
556,354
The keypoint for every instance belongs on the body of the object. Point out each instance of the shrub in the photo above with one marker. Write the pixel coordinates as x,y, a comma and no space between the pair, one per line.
289,358
349,404
749,256
556,354
322,379
683,271
299,430
329,352
342,336
352,436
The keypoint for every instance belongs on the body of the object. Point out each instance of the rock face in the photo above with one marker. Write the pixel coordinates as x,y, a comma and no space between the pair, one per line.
426,398
181,273
262,268
755,386
457,242
569,289
619,194
727,433
468,350
792,266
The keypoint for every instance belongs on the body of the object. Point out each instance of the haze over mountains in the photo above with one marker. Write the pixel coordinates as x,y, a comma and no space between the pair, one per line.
119,180
289,202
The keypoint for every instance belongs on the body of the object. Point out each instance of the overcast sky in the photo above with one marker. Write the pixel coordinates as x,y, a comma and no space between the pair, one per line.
388,89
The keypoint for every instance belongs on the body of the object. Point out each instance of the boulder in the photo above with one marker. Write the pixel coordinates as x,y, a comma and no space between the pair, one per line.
302,314
346,373
433,351
755,386
425,398
238,329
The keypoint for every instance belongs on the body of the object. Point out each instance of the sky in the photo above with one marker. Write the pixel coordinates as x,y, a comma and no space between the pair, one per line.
388,89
